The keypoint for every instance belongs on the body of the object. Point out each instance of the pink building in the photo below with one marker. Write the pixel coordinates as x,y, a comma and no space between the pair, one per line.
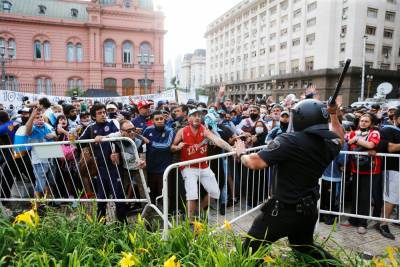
61,44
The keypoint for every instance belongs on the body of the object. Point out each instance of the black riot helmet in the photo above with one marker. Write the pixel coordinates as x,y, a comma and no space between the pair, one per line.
310,114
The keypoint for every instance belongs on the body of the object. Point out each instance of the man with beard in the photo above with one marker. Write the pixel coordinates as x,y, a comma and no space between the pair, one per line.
279,129
191,141
158,154
299,159
247,124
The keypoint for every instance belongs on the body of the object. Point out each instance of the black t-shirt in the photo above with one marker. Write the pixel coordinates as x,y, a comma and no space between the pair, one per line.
389,134
298,160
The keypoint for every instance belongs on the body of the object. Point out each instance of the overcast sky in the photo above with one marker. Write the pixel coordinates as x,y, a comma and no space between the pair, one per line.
186,22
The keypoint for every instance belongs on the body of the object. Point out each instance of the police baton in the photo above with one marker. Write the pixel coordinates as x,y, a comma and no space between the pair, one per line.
332,99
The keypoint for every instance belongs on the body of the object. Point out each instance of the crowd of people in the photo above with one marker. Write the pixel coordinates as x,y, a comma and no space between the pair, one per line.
166,132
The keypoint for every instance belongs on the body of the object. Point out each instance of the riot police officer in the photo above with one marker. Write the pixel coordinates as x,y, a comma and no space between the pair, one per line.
298,160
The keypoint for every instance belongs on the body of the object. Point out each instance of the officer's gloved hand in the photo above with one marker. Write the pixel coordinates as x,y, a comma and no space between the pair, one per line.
333,109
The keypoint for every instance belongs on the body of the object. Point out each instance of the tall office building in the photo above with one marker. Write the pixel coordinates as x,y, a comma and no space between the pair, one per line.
276,47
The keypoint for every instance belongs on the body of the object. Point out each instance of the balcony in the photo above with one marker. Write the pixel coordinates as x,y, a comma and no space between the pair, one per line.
127,66
110,65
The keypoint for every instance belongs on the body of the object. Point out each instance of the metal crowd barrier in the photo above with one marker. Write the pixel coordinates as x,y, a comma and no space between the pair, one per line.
72,172
241,190
361,194
250,189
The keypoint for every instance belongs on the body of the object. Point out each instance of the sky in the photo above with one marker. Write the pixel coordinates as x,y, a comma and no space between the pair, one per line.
186,22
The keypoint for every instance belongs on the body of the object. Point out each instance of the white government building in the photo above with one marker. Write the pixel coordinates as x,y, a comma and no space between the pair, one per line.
193,70
276,47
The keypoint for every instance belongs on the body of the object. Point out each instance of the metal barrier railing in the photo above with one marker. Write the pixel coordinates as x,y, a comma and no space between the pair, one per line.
362,188
246,189
70,172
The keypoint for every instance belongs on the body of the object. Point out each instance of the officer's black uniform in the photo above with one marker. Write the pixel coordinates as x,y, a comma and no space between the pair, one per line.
298,160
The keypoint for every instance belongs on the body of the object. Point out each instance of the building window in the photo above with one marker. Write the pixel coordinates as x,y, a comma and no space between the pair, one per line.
272,49
284,5
369,48
311,6
296,27
344,13
37,48
43,85
342,47
310,38
42,9
284,19
309,63
297,13
390,16
391,1
385,66
10,47
74,83
262,51
372,12
127,53
272,11
145,49
7,5
110,84
272,36
272,23
370,30
387,33
127,3
369,64
79,52
283,32
74,12
283,45
386,51
109,52
46,50
311,22
282,67
295,65
271,69
296,42
343,31
70,52
398,67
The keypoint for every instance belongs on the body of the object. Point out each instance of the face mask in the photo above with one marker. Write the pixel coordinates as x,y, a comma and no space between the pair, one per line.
85,123
112,115
73,118
39,123
253,116
284,124
57,114
259,130
364,129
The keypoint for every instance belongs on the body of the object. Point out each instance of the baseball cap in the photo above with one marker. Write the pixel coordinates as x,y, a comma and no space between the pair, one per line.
25,109
392,107
193,111
284,113
111,106
143,104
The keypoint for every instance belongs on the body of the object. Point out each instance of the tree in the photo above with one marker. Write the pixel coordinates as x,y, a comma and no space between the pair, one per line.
77,92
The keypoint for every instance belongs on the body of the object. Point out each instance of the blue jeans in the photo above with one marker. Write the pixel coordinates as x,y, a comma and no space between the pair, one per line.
44,175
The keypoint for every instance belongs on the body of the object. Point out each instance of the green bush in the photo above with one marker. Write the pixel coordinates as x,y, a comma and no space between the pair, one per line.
78,240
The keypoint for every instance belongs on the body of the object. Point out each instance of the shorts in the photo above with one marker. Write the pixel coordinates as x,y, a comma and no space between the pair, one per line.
391,194
44,174
207,180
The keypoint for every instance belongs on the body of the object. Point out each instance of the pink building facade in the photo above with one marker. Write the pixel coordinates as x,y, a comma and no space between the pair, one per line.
56,45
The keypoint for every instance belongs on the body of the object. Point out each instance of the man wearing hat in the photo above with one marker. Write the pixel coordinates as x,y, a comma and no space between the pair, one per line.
191,141
140,121
281,128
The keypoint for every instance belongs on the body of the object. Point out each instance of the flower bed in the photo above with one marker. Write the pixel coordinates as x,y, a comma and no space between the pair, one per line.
80,240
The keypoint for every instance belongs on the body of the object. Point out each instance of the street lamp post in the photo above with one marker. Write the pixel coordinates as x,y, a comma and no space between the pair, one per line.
145,62
363,69
369,80
5,56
